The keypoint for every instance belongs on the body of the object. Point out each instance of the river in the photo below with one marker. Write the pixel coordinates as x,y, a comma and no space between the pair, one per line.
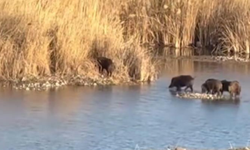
128,117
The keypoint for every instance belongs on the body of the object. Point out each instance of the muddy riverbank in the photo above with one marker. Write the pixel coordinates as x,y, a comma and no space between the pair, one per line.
43,83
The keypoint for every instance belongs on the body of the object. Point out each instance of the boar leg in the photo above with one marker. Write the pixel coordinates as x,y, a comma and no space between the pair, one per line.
189,86
178,88
231,94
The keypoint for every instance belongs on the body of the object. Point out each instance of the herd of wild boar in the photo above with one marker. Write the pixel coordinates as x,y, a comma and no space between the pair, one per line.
213,86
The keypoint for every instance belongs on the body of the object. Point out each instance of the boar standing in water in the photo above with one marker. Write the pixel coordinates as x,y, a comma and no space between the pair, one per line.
233,87
212,85
105,64
182,81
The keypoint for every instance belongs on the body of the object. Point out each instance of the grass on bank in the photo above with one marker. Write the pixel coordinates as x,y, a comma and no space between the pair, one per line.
61,37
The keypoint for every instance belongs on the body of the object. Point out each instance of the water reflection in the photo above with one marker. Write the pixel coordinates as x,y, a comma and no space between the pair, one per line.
221,102
175,67
121,117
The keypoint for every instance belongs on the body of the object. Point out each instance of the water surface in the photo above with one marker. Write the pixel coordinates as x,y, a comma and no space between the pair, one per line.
126,118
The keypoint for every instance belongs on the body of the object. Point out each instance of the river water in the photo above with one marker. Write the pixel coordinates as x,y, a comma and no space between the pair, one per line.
128,117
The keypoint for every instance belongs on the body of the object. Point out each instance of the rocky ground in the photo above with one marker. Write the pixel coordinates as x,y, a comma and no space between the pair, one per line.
199,96
56,82
203,96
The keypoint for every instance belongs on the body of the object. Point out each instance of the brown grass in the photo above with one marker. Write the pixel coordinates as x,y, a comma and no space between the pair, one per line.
225,25
60,37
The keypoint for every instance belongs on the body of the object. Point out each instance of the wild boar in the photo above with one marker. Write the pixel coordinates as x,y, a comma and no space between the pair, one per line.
233,87
182,81
212,85
105,64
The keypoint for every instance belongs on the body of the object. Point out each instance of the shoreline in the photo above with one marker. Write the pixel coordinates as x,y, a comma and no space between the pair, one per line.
48,82
216,59
51,82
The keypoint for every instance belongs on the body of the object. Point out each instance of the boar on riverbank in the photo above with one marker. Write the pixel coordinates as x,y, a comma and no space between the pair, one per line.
106,64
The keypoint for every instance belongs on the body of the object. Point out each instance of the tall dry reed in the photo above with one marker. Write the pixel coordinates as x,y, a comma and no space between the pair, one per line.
61,37
225,25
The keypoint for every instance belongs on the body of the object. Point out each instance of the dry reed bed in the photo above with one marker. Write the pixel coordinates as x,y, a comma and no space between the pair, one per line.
41,38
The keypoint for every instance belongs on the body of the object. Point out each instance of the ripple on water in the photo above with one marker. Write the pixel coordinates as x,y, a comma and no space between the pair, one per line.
124,117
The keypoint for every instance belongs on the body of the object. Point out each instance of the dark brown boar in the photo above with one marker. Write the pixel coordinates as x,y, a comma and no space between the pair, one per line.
182,81
213,86
105,64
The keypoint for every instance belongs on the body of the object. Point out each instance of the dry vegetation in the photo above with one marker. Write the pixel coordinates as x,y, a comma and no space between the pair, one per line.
61,37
